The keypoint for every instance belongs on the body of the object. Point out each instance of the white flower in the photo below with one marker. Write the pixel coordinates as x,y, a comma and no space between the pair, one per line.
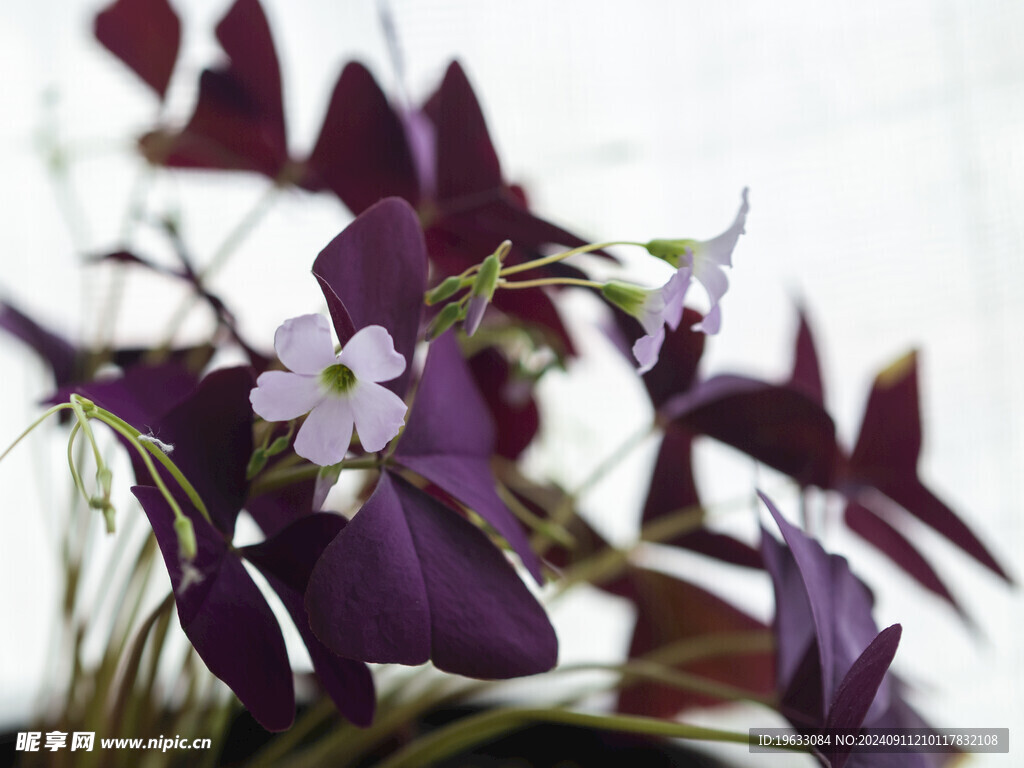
654,309
338,392
662,307
706,259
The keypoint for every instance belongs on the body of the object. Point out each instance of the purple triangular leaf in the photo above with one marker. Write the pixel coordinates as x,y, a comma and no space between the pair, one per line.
286,561
362,154
810,581
409,579
449,439
879,533
211,431
377,267
366,598
670,610
58,353
141,396
225,616
466,161
858,689
145,35
806,375
780,426
277,509
238,122
485,623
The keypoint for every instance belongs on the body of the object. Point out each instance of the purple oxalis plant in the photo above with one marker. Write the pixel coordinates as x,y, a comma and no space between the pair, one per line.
421,389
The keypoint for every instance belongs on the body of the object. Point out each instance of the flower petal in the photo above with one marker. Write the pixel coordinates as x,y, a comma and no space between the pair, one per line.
325,435
712,322
377,267
379,414
370,354
674,292
281,396
718,250
646,350
304,344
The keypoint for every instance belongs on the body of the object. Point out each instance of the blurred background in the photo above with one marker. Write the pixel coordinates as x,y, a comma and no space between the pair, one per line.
883,145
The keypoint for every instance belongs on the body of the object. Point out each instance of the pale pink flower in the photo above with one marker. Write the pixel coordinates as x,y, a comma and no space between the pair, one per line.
338,391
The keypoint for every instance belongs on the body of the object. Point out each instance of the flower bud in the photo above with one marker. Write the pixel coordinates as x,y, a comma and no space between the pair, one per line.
448,288
483,289
257,462
445,319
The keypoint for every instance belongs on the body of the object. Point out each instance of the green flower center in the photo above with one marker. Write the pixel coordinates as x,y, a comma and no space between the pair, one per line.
338,378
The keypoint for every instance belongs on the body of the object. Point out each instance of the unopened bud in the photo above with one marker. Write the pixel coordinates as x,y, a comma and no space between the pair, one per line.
448,288
257,462
445,319
104,478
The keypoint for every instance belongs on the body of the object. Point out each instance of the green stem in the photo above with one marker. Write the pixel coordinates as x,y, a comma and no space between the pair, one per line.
146,450
609,462
640,669
130,671
556,257
33,425
71,462
540,282
279,477
486,726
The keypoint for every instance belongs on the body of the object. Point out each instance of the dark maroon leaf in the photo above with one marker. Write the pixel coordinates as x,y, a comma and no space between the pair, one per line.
225,616
886,457
777,425
672,487
671,611
677,363
466,161
890,431
377,267
449,440
212,436
858,689
362,154
408,579
238,122
145,35
59,354
510,401
806,376
879,533
286,561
